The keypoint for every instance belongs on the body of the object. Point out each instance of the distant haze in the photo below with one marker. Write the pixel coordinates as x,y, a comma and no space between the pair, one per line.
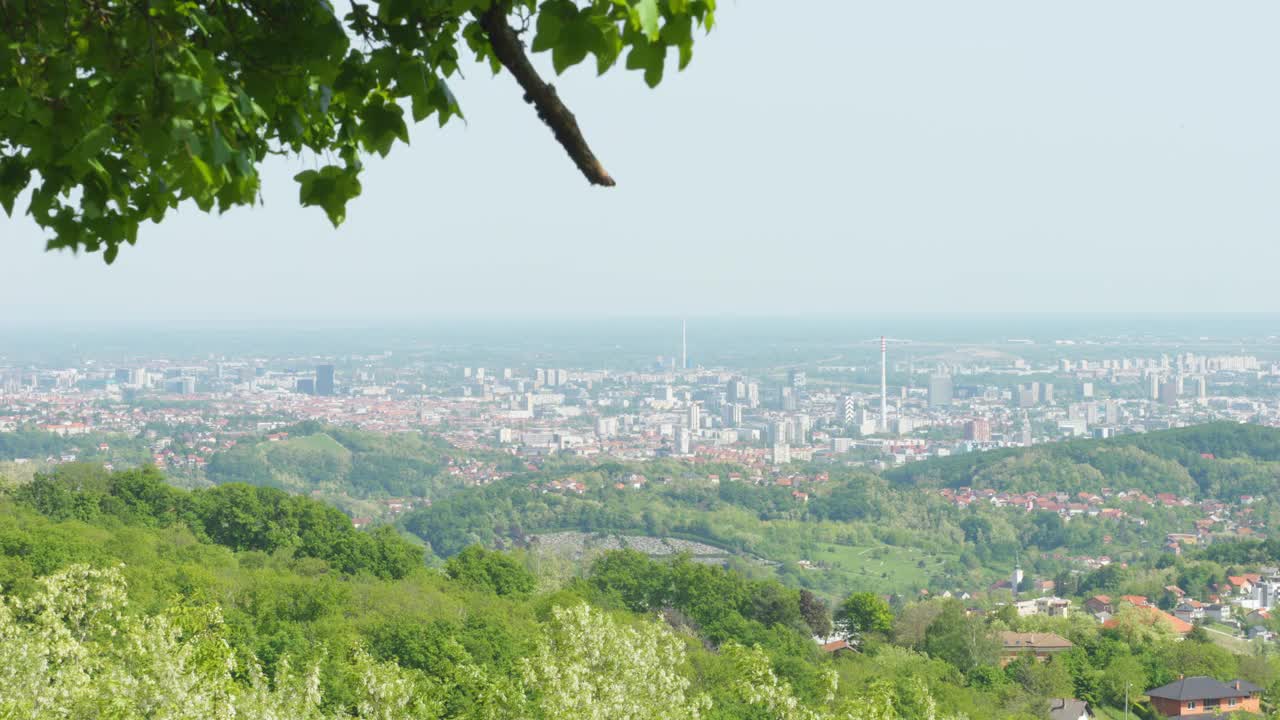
817,157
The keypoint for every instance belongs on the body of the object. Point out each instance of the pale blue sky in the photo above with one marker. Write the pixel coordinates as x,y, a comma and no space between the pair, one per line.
817,156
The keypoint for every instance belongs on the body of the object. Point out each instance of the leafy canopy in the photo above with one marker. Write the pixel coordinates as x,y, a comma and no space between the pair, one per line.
113,112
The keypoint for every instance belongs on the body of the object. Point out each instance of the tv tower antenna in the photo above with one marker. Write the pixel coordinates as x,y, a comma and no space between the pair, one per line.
684,345
884,387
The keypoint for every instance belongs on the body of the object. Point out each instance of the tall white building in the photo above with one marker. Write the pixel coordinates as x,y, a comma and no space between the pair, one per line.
684,441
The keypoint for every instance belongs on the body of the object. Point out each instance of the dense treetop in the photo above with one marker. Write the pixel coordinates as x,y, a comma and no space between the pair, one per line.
113,112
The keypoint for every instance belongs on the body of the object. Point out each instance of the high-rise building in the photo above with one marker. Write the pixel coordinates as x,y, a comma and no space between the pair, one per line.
779,432
122,376
753,395
695,417
977,430
847,410
732,415
324,380
1028,395
684,441
1112,412
941,390
798,379
1153,386
781,453
787,399
1168,392
801,425
1202,388
606,427
306,386
1046,393
1086,390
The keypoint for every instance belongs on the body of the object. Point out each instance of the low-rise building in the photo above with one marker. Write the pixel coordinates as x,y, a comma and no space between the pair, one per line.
1201,695
1039,645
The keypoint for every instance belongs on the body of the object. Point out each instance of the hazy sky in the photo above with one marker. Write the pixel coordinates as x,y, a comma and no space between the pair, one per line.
817,156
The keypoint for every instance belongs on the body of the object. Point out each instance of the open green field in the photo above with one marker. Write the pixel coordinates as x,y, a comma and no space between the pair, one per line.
878,568
320,442
1221,636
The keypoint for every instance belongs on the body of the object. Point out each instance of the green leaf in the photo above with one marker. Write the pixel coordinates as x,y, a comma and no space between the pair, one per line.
578,37
649,57
547,28
329,188
647,14
14,176
186,89
221,150
380,124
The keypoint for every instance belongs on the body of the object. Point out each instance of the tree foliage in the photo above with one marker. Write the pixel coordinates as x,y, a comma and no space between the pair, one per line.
113,112
862,613
237,516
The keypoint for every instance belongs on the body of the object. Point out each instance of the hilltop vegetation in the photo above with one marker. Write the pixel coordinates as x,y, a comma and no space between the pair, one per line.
888,533
127,598
1220,460
230,600
336,460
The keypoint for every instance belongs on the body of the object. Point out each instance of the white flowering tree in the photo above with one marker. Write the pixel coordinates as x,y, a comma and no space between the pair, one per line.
590,667
71,651
758,685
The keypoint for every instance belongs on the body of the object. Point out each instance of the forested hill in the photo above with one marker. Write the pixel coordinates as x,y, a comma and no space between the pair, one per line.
1220,460
123,597
309,457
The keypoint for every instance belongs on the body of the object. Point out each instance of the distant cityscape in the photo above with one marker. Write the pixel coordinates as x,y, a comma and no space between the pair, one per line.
906,404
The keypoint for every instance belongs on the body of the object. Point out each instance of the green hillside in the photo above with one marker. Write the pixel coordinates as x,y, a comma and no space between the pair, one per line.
1220,460
124,597
337,462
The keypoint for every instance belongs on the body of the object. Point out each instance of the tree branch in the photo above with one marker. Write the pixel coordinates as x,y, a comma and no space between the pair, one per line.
510,52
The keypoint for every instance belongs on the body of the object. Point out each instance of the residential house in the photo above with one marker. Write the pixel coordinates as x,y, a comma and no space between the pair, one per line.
1099,604
1218,612
1040,645
1047,606
1068,709
835,647
1157,616
1189,611
1200,695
